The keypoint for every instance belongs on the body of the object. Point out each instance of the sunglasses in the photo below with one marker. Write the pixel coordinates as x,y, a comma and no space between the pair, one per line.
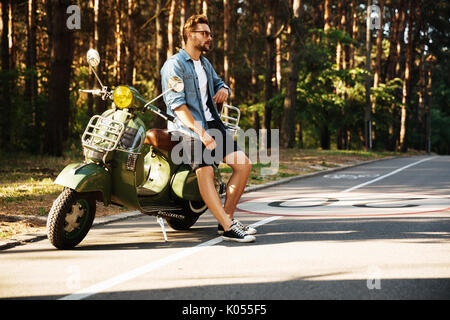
205,33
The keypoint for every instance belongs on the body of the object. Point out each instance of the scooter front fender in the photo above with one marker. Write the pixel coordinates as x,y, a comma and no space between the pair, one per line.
86,177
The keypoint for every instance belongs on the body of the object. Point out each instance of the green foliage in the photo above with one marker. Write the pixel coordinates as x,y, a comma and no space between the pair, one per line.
330,102
440,132
22,124
329,99
387,112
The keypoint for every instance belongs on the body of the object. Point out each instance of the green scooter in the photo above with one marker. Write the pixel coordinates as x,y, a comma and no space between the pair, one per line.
117,170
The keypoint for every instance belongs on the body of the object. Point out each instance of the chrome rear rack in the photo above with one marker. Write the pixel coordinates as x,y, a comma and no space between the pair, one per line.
230,116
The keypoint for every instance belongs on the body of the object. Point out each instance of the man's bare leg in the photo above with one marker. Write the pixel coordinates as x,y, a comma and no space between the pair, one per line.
205,177
241,166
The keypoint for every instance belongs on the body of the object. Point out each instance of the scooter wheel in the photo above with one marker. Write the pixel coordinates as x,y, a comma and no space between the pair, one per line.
192,211
70,218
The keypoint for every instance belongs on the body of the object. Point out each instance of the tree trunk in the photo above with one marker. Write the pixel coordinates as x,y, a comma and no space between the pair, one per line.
428,110
31,77
327,15
327,19
340,26
118,42
289,113
254,76
353,33
161,55
226,42
421,93
205,7
400,38
101,29
131,43
6,89
367,113
59,79
393,30
407,78
341,64
270,79
377,69
324,137
379,52
93,43
171,29
182,18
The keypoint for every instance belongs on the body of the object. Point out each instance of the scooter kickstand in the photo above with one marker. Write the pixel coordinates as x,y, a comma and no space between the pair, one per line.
163,228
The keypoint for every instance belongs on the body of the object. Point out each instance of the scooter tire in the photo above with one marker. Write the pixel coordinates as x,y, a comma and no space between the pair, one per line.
192,211
60,233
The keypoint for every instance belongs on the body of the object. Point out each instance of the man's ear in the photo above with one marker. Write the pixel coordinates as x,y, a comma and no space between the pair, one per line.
188,35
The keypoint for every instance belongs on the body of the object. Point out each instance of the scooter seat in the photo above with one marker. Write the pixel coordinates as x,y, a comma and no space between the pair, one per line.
160,139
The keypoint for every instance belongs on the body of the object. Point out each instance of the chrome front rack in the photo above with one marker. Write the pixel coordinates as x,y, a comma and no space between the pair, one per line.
230,116
102,134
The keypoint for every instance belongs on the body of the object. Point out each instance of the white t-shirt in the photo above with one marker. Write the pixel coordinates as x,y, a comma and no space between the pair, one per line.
203,84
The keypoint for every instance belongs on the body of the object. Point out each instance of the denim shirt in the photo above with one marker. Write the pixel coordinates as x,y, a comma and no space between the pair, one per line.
182,66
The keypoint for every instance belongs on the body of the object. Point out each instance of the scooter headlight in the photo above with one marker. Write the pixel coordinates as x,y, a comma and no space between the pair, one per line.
123,97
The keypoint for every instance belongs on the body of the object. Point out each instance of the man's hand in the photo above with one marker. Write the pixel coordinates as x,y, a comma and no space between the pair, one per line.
208,141
221,95
188,120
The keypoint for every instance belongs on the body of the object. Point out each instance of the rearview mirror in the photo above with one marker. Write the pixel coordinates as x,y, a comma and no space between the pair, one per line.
176,84
93,58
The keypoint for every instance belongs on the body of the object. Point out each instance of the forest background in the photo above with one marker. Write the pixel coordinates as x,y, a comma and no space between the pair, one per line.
329,74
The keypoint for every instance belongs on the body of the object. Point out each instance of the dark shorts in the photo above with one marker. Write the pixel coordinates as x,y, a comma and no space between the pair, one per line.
199,156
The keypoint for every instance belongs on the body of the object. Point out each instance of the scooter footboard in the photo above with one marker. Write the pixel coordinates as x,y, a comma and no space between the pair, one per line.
86,177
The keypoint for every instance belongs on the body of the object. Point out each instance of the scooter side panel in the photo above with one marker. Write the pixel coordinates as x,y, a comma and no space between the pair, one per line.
159,174
89,177
185,184
124,179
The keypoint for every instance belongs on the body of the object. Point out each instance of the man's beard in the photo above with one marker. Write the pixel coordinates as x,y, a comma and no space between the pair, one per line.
205,47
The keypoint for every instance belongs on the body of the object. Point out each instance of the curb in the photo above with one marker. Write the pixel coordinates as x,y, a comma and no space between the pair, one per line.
33,237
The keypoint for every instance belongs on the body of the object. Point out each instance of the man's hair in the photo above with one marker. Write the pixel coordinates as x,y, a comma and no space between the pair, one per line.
192,22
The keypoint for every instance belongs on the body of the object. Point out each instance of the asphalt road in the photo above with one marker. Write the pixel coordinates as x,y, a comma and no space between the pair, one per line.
377,231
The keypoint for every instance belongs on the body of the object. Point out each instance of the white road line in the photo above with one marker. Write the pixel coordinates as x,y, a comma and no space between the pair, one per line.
387,175
104,285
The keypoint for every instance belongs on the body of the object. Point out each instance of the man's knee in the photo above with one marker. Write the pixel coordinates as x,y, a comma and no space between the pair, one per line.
247,167
237,158
204,172
241,163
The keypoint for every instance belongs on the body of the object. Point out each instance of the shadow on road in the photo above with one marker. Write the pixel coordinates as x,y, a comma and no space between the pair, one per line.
127,236
307,288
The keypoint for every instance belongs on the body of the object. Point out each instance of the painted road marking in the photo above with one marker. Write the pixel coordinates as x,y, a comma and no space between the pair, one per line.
350,176
340,204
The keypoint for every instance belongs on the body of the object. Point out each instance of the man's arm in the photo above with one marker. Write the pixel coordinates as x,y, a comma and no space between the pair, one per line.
222,91
188,120
171,68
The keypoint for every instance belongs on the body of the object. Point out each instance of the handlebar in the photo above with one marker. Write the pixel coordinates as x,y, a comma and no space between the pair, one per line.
103,92
96,92
166,116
